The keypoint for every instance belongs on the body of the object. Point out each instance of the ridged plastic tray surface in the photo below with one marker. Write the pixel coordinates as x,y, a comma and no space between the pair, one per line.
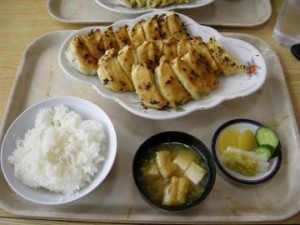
236,13
117,200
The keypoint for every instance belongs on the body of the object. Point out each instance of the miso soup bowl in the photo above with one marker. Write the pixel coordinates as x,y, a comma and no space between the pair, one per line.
148,146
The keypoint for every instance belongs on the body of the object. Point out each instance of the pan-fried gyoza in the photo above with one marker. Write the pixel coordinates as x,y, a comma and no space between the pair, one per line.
150,3
226,62
82,56
189,75
169,85
111,73
176,67
145,87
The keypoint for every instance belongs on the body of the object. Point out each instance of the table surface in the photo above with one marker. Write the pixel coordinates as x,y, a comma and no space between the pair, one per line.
21,21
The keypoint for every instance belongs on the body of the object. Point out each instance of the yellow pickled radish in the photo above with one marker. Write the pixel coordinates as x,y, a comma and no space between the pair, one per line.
246,140
228,137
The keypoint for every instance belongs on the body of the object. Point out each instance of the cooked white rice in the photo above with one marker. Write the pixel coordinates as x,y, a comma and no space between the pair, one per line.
61,153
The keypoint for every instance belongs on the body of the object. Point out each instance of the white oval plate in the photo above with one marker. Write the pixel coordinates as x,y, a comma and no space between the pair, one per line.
26,120
232,87
116,6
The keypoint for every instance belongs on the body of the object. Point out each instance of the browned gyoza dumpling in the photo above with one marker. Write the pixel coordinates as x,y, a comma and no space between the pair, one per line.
202,50
111,73
109,39
148,54
226,62
80,58
163,27
122,37
141,3
129,3
85,50
209,78
169,48
181,1
127,57
92,41
169,85
136,33
176,27
151,28
191,81
183,46
167,2
153,3
145,87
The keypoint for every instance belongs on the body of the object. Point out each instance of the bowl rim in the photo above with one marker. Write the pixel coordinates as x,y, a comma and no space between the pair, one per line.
164,137
231,175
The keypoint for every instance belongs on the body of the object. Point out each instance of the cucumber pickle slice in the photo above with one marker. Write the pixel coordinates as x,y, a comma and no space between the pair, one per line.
266,150
267,136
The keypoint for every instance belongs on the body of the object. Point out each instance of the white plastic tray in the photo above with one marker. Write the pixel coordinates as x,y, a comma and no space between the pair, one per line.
237,13
117,200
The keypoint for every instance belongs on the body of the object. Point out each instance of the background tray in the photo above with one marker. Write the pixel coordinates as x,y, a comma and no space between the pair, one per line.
238,13
117,200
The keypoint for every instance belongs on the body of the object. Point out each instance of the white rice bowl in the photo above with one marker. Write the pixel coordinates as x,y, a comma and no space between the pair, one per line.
68,150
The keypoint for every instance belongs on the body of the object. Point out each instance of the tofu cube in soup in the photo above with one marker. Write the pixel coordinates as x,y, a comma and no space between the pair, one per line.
195,173
184,159
153,170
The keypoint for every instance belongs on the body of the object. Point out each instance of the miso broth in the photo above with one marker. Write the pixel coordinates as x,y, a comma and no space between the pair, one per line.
156,183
